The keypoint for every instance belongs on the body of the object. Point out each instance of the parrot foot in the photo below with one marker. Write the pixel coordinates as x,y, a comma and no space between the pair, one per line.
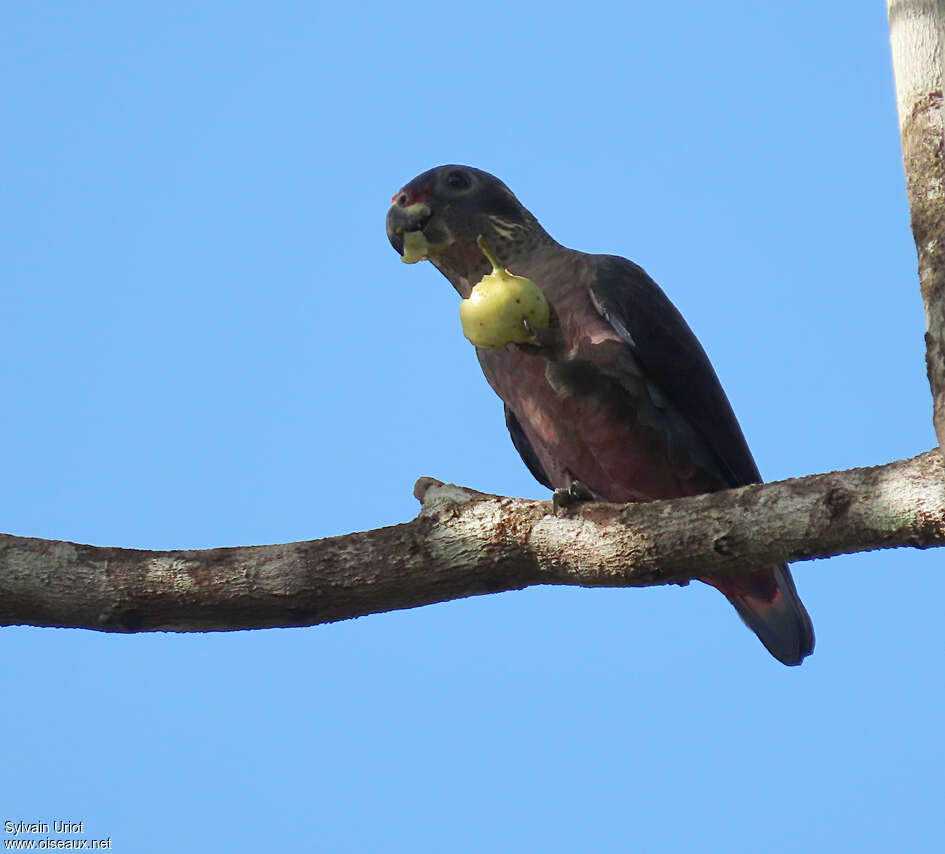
574,494
544,341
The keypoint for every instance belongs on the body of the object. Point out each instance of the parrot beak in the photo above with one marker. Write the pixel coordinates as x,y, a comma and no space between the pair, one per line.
404,215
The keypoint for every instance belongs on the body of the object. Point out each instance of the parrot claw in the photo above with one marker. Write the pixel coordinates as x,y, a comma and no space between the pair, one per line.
574,494
542,340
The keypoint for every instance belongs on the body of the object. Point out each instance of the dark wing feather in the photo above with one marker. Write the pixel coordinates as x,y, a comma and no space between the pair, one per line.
525,449
673,359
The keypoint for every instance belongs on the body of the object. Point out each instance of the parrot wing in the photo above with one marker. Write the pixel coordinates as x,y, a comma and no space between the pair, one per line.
525,449
673,360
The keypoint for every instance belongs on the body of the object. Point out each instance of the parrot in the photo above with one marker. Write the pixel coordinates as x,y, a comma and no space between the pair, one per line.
614,399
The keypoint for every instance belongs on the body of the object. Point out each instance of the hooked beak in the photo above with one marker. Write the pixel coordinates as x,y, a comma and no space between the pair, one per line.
403,217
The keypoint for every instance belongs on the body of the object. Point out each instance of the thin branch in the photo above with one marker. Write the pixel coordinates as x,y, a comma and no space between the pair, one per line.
917,35
466,543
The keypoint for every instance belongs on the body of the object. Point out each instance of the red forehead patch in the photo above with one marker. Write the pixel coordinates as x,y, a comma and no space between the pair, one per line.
406,197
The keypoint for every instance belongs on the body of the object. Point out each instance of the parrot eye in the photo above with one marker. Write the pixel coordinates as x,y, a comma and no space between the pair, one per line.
458,180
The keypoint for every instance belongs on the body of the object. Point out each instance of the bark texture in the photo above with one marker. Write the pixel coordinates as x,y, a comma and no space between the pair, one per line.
917,35
466,543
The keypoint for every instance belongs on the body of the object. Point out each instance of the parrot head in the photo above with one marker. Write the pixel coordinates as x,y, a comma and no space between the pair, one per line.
451,206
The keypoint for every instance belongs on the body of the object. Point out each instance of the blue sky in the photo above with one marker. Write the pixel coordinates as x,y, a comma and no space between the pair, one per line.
206,340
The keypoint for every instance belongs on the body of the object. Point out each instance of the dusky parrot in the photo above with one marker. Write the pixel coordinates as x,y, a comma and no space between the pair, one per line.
615,399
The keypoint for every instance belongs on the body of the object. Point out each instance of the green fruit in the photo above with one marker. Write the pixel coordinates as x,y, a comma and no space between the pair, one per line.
495,312
415,247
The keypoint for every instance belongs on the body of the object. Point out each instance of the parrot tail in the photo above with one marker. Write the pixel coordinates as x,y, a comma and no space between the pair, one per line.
767,601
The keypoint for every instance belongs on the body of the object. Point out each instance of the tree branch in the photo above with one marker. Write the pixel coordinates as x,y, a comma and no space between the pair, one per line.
917,35
466,543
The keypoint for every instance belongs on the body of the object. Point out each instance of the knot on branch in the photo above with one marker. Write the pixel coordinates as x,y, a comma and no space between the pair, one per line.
836,502
436,496
422,485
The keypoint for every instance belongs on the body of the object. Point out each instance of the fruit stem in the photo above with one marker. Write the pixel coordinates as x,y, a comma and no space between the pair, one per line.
489,254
